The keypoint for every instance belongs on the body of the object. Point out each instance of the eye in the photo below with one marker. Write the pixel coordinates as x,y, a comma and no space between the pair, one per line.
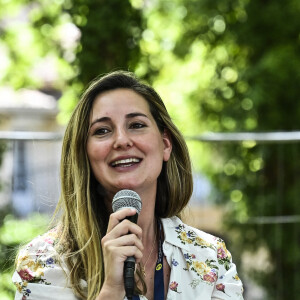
137,125
101,131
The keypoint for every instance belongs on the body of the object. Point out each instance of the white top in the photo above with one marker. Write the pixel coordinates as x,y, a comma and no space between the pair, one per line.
201,267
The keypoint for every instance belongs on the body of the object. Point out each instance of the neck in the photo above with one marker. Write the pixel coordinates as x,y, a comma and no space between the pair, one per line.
146,218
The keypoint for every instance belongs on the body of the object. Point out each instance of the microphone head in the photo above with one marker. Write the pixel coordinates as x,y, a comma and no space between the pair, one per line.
126,198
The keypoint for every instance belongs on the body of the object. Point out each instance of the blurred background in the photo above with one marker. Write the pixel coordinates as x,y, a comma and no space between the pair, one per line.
229,73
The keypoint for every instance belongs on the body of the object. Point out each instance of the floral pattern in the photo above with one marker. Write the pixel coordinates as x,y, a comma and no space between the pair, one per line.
201,267
221,287
31,268
174,287
190,237
224,257
175,263
207,271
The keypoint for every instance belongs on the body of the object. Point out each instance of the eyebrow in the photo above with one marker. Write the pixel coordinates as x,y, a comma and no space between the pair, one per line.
128,116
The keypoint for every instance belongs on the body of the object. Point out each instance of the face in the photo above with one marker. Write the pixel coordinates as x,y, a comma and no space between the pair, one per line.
125,148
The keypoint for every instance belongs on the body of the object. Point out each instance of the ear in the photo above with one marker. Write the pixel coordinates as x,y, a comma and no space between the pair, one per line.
167,144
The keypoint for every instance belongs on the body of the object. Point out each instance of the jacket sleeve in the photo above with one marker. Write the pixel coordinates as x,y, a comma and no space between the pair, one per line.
38,274
228,285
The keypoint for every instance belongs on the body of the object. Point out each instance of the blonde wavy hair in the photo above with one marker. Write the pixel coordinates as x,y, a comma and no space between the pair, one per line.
83,217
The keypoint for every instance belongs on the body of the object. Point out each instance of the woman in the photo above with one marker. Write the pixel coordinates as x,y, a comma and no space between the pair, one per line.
121,136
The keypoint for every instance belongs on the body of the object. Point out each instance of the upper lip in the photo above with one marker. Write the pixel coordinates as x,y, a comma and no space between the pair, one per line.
114,161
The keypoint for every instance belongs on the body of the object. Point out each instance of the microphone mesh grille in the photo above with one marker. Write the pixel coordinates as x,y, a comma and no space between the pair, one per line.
126,198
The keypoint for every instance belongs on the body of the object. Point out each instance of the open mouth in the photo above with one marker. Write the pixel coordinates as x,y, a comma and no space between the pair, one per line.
125,162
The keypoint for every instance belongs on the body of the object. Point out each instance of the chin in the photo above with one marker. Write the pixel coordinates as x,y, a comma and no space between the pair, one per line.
127,187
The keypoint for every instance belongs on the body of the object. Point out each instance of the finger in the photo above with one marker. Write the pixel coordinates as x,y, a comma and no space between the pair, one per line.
121,253
124,228
118,216
125,240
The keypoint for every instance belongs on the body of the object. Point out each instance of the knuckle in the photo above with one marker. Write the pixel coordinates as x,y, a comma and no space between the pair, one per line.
132,237
103,240
126,222
110,248
113,216
138,254
129,239
140,231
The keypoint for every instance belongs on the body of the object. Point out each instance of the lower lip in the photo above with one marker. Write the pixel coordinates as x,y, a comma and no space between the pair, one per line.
126,168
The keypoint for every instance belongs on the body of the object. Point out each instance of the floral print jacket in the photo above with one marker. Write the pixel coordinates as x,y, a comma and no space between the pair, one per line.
201,267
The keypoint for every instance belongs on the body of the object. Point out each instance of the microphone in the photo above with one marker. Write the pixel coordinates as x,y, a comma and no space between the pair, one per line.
128,199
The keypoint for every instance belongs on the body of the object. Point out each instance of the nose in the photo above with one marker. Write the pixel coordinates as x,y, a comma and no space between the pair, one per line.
122,140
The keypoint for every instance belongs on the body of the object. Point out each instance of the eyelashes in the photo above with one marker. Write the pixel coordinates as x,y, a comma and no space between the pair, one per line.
137,125
103,131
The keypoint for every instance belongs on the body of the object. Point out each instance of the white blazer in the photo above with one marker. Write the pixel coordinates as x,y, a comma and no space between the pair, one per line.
201,267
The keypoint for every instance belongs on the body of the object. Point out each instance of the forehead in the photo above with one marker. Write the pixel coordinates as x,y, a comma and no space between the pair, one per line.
120,99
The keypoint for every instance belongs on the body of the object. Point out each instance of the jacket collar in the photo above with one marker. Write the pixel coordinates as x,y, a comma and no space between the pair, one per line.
171,226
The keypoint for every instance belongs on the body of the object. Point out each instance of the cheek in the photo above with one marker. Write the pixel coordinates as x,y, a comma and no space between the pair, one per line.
90,152
157,150
95,152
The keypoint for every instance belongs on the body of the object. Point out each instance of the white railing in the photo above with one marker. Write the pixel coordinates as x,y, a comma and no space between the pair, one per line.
30,136
259,137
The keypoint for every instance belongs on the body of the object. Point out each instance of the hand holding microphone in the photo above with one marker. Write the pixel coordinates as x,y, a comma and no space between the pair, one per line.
124,199
122,241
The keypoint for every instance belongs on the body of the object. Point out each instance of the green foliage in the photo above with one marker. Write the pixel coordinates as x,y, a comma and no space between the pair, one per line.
31,44
255,55
13,234
228,65
235,66
110,34
32,55
41,47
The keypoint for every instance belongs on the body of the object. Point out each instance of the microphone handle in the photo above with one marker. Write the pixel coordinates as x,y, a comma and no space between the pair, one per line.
133,218
129,267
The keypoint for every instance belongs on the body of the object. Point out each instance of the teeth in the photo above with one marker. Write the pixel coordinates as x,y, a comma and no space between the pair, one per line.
125,161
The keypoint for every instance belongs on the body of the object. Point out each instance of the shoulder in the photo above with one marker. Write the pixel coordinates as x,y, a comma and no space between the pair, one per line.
39,248
177,231
38,261
41,271
194,242
204,260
